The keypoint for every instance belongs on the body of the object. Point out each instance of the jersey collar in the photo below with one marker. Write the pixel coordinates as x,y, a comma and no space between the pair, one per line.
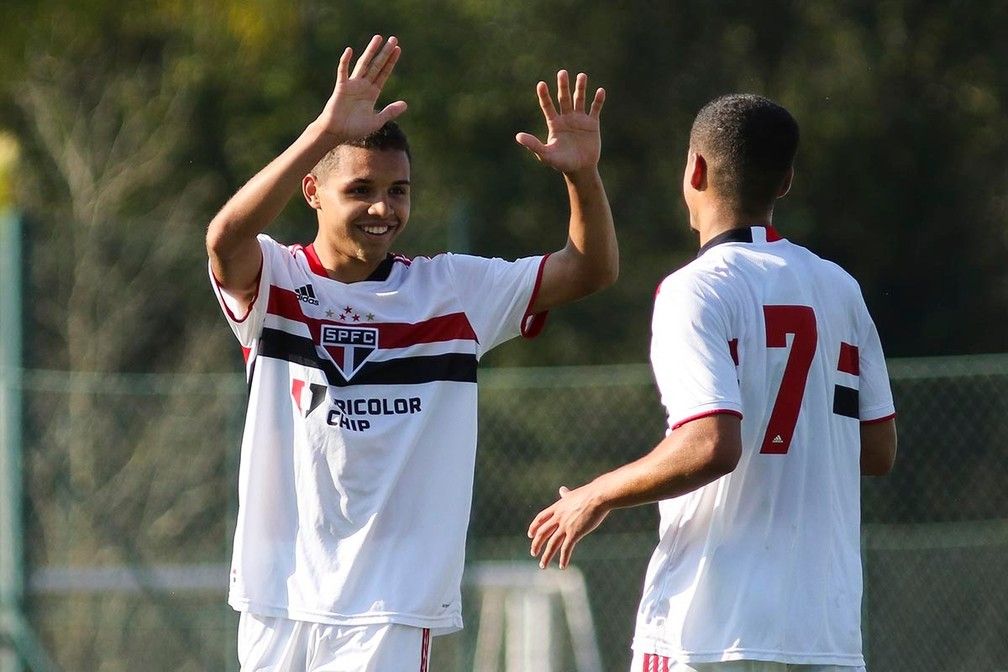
381,272
746,234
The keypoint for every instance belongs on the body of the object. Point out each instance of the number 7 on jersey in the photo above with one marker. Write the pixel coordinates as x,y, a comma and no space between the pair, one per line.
780,321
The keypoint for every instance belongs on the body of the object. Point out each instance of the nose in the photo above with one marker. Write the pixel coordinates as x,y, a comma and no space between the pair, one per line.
380,208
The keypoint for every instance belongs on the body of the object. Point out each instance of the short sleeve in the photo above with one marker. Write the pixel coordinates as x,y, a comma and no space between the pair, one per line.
690,352
247,325
875,399
497,296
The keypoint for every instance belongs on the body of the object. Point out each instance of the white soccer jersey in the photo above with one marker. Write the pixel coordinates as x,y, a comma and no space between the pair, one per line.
357,458
764,563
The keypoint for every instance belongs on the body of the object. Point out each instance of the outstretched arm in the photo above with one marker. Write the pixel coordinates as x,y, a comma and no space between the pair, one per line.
235,256
692,456
590,259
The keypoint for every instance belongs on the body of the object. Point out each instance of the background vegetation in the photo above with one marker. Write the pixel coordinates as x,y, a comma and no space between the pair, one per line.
124,125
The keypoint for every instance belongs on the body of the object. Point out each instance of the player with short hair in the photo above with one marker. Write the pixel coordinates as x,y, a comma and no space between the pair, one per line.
772,374
359,446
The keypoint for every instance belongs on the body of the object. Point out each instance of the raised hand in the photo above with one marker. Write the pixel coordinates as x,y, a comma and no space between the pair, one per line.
350,111
573,142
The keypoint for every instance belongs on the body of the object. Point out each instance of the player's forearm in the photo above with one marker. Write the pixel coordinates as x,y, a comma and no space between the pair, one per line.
258,203
664,473
591,242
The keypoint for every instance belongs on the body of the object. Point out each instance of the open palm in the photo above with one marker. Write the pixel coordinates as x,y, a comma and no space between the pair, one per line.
350,111
573,139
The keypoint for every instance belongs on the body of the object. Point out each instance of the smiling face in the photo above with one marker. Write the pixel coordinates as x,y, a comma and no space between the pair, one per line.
362,199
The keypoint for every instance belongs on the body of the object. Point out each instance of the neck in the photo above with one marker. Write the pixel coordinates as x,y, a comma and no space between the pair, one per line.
716,219
345,268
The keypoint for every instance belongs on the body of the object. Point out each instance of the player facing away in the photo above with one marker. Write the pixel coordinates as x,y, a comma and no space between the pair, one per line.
359,445
772,374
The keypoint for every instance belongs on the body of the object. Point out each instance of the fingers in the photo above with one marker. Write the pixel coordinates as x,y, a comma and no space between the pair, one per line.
389,64
343,70
538,521
365,59
580,84
596,106
564,93
564,490
377,61
531,143
545,101
552,545
391,111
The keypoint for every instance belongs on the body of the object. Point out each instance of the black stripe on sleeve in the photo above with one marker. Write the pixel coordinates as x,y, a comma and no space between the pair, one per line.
452,367
845,401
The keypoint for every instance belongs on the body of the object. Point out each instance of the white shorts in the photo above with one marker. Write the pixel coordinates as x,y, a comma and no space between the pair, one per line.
650,662
268,644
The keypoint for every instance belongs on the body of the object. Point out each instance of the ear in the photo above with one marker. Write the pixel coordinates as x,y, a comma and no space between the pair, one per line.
786,185
309,187
698,172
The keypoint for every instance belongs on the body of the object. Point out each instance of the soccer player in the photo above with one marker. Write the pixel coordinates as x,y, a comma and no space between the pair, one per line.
359,445
771,372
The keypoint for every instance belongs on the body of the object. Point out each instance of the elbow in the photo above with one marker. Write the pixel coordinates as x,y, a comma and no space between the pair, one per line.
878,448
603,277
878,464
214,238
218,242
720,457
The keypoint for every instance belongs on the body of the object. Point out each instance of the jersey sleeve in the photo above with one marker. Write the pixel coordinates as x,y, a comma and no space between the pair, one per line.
875,401
497,296
247,324
690,352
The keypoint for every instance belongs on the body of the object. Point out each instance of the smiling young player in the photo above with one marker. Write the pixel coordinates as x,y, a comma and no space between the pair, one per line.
359,445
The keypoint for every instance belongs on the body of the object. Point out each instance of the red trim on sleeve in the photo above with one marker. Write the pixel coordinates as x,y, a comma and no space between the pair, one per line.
706,414
877,420
849,362
532,324
223,302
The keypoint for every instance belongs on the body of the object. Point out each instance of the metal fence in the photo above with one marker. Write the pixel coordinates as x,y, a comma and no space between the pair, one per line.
129,496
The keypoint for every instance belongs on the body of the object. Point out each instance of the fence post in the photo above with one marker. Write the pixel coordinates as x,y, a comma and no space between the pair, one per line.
11,569
17,640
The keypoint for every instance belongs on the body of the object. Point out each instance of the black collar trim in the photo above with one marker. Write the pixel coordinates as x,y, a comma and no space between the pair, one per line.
740,235
383,271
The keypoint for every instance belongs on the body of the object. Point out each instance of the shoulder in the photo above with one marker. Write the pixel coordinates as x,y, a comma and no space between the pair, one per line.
701,277
829,271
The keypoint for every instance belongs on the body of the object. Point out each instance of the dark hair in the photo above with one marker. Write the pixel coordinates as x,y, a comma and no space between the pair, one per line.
749,143
387,138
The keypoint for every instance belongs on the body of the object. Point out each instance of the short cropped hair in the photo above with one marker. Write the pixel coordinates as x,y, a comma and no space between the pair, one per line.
749,143
389,137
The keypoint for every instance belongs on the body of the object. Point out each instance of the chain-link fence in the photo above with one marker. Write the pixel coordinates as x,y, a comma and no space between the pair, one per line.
130,484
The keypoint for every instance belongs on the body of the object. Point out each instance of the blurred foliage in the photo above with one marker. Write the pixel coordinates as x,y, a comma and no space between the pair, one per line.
131,123
901,173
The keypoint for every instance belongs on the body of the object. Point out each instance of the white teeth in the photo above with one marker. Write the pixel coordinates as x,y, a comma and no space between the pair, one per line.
376,229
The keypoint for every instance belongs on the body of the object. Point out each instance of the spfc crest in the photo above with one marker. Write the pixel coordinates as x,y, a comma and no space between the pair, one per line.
349,347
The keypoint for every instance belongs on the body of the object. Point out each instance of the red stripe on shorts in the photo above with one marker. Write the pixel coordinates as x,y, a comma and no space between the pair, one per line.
425,650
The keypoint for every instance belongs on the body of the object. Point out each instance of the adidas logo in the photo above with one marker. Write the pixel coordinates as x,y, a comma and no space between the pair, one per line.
777,439
306,294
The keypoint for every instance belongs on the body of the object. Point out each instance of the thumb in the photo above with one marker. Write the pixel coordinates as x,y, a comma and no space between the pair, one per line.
564,491
531,143
391,111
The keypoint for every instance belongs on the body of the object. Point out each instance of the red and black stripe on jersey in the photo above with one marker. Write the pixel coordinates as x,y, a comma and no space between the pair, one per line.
405,370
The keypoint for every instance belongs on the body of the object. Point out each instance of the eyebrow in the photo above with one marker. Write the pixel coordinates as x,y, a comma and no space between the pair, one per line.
364,180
